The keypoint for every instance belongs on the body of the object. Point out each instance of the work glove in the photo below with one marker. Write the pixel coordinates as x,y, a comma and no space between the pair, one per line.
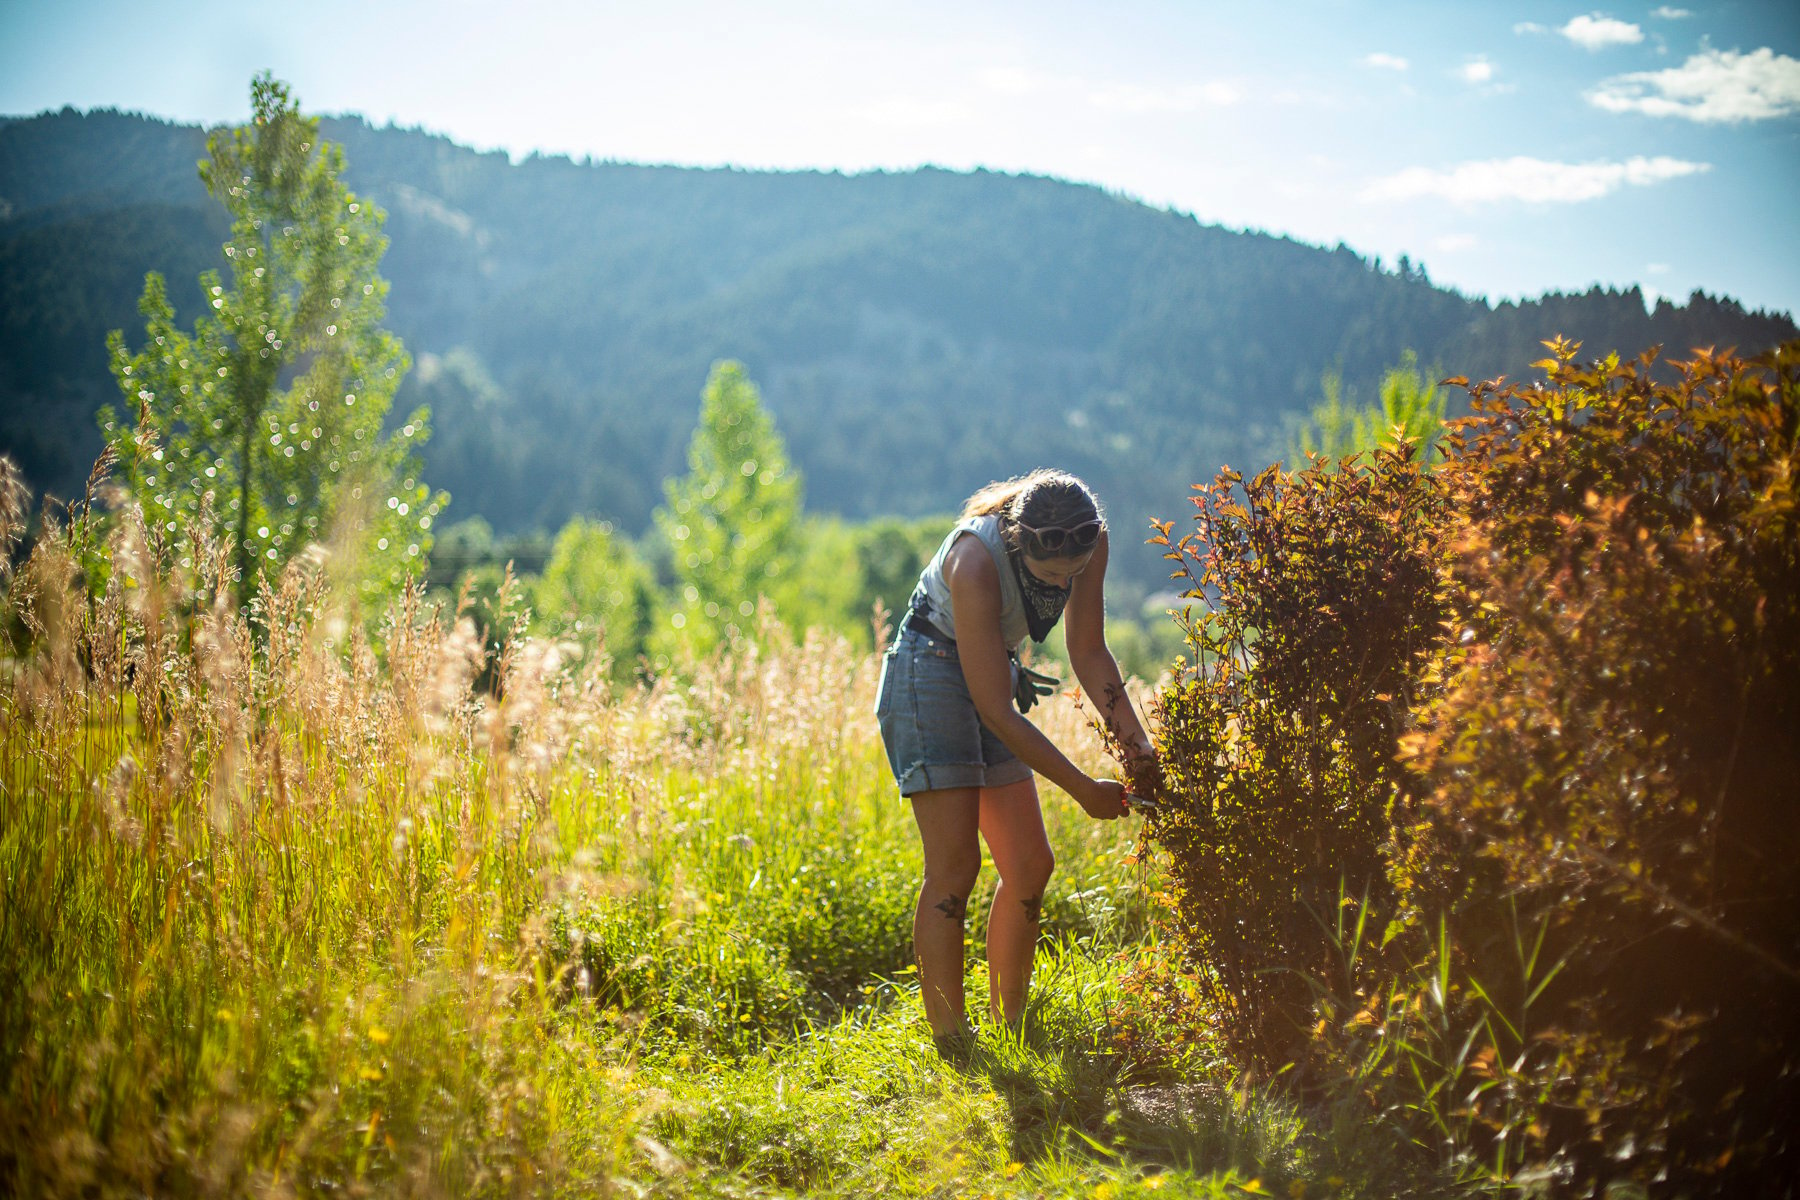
1029,686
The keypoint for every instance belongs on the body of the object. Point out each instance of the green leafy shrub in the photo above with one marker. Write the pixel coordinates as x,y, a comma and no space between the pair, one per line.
597,590
733,522
263,428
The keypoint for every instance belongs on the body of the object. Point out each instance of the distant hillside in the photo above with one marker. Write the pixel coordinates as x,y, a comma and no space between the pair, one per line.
916,334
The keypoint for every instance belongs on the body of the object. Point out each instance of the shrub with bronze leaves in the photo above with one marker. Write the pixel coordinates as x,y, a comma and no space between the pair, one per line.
1539,711
1617,754
1326,593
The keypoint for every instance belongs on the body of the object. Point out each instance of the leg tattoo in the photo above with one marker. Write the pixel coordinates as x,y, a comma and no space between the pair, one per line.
953,907
1032,905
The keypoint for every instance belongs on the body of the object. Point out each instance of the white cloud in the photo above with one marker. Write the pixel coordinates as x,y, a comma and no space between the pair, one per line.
1532,180
1530,27
1390,62
1450,243
1595,32
1714,86
1665,13
1131,98
1478,70
907,112
1658,268
1010,81
1108,96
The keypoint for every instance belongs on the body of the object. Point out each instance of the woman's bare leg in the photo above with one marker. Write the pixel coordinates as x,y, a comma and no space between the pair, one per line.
1013,826
948,820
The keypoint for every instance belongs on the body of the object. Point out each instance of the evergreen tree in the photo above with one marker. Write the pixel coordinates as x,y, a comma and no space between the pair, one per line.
1411,406
1332,430
263,427
733,521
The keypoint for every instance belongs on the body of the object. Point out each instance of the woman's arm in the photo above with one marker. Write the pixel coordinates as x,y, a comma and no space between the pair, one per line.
1084,629
975,597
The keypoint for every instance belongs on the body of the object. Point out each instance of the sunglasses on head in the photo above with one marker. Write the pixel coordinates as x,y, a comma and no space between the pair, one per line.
1060,539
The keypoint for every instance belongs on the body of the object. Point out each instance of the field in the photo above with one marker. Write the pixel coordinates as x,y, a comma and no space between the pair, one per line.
289,910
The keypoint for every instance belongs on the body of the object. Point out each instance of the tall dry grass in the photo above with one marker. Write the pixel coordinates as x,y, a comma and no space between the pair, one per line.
263,894
286,908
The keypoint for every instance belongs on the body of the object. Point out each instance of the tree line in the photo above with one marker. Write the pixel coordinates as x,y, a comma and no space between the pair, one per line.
916,334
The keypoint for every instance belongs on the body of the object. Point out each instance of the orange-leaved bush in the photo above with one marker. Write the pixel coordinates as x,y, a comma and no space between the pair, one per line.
1325,595
1616,754
1483,795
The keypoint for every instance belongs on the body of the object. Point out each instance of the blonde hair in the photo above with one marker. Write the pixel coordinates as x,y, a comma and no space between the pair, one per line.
1042,498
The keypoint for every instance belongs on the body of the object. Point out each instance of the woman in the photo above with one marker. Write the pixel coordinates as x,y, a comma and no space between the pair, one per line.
964,755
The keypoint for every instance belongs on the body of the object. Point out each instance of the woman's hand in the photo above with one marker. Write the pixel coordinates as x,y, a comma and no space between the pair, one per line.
1104,799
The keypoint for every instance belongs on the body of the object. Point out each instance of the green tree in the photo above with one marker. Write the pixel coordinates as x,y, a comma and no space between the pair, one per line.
1331,431
827,587
1411,405
263,427
890,553
733,521
596,586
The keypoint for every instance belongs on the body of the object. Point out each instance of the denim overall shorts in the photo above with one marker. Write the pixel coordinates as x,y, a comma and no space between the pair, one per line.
934,737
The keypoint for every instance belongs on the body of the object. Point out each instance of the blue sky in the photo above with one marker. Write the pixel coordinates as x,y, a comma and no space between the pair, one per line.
1511,148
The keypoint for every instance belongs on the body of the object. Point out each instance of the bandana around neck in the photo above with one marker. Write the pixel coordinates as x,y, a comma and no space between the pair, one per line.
1043,601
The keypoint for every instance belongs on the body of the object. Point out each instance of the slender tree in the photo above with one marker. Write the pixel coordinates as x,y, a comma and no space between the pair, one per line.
264,425
733,521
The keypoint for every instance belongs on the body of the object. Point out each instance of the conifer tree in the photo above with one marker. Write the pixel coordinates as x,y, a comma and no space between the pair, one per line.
1411,406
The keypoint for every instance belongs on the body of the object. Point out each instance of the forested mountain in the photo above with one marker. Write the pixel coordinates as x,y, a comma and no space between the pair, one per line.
915,333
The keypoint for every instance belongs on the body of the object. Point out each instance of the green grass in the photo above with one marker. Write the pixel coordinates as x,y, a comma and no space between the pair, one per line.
328,924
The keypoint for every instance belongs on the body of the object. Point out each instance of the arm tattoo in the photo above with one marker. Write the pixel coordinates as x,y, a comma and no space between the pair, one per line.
953,907
1032,905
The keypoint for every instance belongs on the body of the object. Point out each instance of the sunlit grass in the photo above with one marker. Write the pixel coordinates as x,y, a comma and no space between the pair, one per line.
289,911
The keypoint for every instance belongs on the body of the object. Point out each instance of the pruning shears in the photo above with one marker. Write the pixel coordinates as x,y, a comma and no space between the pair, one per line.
1142,806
